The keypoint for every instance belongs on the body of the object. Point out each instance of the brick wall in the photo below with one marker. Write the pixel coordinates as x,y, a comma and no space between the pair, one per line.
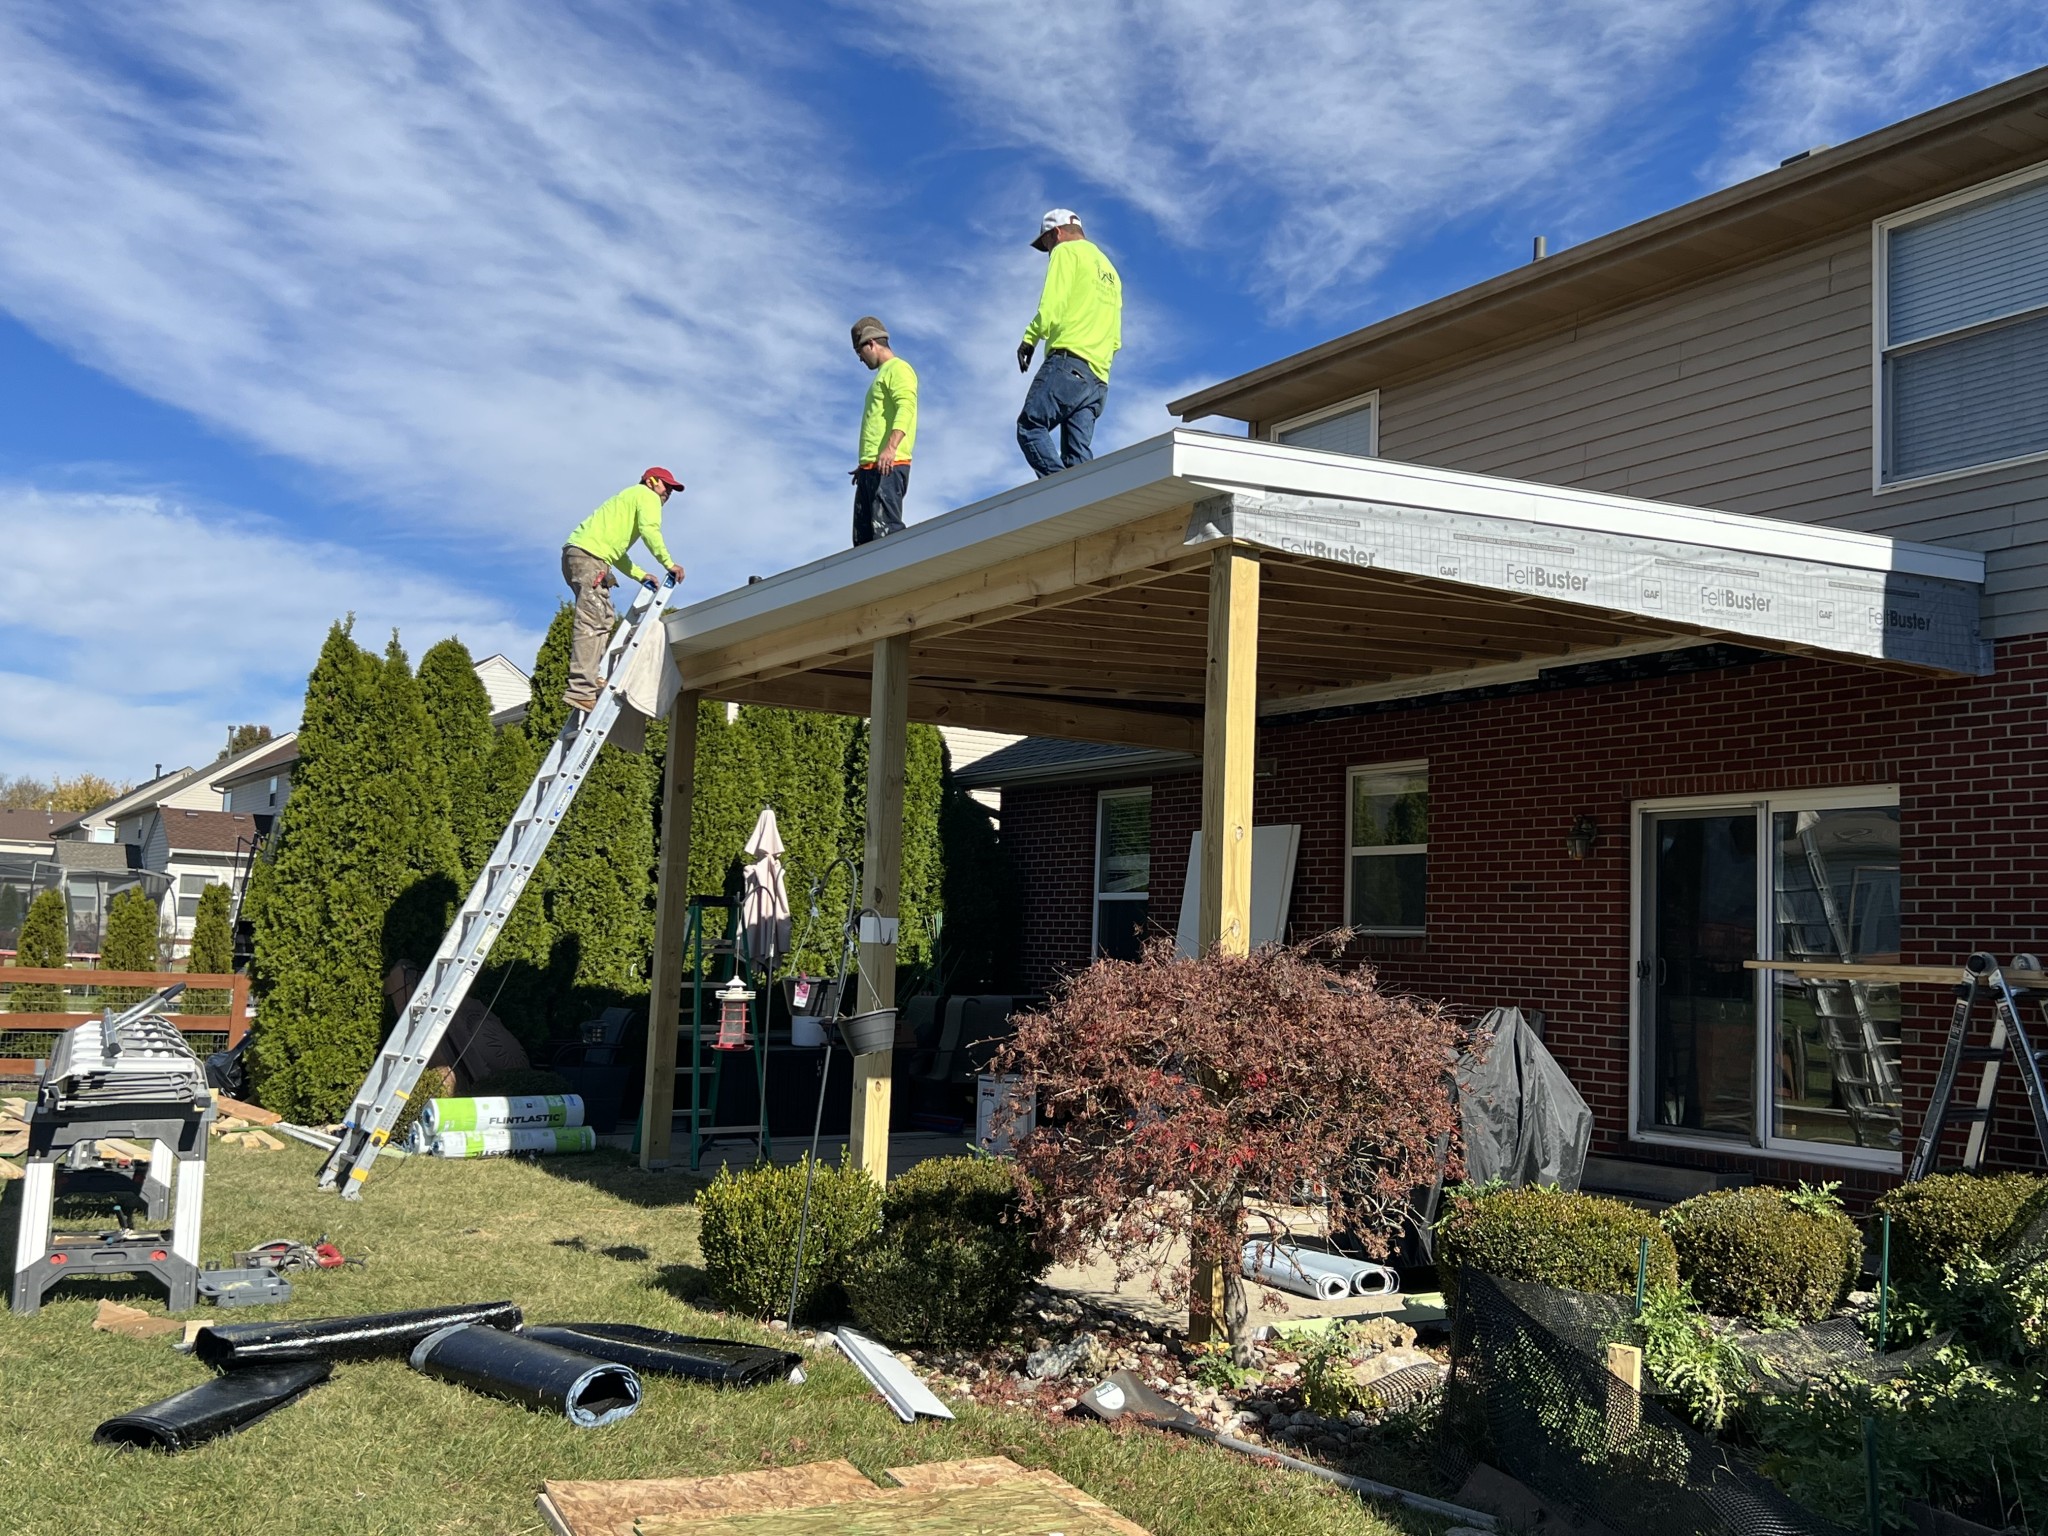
1512,919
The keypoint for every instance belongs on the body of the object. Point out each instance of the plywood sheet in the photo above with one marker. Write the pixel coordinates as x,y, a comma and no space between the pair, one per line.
1011,1508
976,1472
611,1508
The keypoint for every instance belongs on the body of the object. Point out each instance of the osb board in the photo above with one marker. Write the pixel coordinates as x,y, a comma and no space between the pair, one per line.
977,1472
611,1508
1015,1507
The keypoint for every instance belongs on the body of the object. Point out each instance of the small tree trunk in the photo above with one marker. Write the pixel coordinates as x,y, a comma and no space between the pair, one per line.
1237,1315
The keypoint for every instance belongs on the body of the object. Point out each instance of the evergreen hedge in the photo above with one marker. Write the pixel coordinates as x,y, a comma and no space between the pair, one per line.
45,941
463,740
1950,1218
1758,1253
213,950
1551,1236
130,944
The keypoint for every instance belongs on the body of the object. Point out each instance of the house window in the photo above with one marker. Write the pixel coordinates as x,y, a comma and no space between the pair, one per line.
273,791
1727,1053
1387,883
190,888
1351,426
1962,331
1123,871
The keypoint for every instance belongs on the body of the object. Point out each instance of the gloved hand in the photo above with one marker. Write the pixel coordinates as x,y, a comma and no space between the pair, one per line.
1024,351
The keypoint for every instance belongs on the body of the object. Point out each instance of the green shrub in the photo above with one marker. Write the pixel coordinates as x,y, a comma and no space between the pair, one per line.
954,1259
748,1230
519,1080
1949,1217
1553,1237
1690,1359
1762,1254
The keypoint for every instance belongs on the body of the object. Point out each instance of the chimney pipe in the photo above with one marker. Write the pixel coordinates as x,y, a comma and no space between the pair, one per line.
1542,249
159,771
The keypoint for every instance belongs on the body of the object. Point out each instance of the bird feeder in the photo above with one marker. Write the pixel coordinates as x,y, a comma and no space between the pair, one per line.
735,1000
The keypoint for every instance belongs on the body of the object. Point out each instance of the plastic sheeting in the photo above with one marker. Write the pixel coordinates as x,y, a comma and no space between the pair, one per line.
237,1346
519,1112
651,1351
504,1142
218,1407
1523,1120
586,1391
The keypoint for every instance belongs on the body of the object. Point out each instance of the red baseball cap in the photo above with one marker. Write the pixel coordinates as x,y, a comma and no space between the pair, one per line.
667,479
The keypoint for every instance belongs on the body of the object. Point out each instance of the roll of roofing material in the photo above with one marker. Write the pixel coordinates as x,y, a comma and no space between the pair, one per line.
586,1391
215,1408
503,1142
1360,1276
239,1346
520,1110
1270,1264
722,1362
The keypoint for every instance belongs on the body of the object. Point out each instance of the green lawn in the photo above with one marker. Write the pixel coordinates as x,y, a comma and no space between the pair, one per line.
381,1449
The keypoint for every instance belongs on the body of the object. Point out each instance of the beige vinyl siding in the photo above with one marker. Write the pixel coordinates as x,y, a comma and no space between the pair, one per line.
1751,393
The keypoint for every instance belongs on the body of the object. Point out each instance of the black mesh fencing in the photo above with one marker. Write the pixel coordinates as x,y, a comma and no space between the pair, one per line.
1531,1392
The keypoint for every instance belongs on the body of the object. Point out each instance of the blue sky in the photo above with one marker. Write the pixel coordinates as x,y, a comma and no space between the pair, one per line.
359,307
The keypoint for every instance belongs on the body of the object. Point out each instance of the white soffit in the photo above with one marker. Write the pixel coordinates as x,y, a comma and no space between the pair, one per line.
1828,588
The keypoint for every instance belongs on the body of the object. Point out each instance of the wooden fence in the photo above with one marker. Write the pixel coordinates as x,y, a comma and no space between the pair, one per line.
234,1023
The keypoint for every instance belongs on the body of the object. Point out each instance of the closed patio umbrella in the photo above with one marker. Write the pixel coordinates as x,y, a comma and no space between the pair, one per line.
764,902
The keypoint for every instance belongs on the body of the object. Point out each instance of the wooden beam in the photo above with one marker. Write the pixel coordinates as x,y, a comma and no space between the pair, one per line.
1166,730
671,916
881,879
1139,546
1230,724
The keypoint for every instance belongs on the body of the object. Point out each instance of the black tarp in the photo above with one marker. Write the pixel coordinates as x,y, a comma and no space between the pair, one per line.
1523,1121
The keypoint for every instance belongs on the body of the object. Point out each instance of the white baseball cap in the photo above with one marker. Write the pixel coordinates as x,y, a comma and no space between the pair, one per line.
1053,219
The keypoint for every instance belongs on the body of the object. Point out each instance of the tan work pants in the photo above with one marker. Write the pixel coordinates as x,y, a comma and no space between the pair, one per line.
592,582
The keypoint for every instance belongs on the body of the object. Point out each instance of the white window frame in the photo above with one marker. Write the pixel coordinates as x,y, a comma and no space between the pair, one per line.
1765,1142
1343,407
1096,895
1352,850
1880,303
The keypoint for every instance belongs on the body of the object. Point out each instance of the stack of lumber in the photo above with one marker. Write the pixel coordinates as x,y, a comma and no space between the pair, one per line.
13,1135
992,1496
239,1124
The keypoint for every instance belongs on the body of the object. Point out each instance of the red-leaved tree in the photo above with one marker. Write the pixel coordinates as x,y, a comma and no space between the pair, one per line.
1181,1098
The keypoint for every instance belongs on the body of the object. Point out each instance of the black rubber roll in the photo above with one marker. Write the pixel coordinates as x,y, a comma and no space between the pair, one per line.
722,1362
588,1392
236,1346
219,1407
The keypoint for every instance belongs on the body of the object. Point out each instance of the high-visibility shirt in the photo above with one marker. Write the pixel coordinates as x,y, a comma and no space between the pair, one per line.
891,407
635,513
1082,307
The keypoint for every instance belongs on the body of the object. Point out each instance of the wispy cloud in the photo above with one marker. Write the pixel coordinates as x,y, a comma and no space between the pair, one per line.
1839,68
1316,137
155,628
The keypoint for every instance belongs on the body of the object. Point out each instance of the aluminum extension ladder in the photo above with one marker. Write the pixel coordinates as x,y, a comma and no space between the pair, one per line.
487,908
2008,1035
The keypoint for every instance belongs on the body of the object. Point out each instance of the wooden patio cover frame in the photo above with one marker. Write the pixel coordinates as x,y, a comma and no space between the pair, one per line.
1097,604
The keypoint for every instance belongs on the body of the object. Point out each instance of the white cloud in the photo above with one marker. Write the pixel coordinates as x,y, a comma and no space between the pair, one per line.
1846,67
1317,136
157,628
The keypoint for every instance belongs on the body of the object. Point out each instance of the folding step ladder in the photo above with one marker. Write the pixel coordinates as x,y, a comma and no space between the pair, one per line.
485,911
2008,1035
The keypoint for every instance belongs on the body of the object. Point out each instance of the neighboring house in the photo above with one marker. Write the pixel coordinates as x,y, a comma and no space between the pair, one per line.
510,689
965,747
1857,340
38,851
102,823
192,850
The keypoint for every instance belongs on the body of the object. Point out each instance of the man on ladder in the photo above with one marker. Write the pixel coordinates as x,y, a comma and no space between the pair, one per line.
600,544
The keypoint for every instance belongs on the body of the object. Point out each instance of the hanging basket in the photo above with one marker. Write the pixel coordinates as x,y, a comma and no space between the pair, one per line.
866,1033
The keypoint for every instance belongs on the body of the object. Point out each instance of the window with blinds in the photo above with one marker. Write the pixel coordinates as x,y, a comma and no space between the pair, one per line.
1962,330
1352,427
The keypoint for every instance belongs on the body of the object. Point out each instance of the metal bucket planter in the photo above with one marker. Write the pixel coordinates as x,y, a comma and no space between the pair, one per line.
866,1033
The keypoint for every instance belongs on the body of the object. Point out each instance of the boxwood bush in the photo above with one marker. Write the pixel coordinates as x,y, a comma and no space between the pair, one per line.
1552,1236
1763,1254
954,1259
747,1229
1947,1218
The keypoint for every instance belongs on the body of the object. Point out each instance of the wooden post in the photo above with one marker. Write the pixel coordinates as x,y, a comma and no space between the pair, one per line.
671,916
1624,1408
1230,720
238,1009
881,875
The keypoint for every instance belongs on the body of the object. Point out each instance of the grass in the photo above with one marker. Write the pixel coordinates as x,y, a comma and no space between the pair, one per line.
382,1449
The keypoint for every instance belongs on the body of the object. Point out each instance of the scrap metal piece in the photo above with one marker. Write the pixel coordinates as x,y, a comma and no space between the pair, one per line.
889,1376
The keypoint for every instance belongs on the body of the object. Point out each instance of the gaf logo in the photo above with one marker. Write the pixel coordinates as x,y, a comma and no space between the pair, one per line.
1448,569
1826,613
1896,619
1546,578
1733,601
1653,592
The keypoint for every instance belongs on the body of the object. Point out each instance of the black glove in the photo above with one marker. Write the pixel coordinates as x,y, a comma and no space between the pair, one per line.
1024,350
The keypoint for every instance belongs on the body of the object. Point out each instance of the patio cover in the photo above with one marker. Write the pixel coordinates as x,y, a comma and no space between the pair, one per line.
1079,605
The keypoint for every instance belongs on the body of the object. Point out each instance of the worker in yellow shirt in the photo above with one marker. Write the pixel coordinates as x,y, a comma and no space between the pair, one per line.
1081,321
888,431
597,547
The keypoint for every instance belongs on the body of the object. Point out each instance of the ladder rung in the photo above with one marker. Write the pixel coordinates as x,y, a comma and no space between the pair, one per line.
1965,1114
1983,1053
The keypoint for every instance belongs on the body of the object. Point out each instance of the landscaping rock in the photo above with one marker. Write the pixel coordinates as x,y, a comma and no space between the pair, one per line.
1386,1362
1056,1362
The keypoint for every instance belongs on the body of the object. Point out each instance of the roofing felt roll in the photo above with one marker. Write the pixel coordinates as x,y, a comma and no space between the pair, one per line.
234,1346
587,1391
215,1408
504,1142
1272,1265
651,1351
493,1114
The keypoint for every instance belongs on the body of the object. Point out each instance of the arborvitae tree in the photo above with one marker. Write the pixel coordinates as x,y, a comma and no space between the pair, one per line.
800,758
923,862
362,873
728,798
130,944
463,741
516,985
981,896
213,950
45,941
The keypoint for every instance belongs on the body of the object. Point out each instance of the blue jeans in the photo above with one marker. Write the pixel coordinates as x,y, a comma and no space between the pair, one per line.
1064,395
